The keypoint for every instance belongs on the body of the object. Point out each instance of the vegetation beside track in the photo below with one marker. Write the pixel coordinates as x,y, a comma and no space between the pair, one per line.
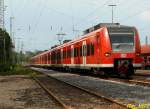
20,70
6,51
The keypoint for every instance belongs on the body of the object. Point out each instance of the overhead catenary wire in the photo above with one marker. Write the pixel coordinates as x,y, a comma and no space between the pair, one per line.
38,18
34,24
93,11
134,15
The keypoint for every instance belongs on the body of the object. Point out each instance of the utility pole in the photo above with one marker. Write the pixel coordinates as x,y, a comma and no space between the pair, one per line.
2,22
4,51
60,36
18,49
11,28
75,31
13,41
21,53
112,11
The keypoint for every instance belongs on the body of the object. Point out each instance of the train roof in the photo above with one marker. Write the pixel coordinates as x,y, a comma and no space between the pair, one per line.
108,25
145,49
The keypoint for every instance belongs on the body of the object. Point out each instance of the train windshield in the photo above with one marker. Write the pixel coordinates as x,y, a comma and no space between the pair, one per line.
122,39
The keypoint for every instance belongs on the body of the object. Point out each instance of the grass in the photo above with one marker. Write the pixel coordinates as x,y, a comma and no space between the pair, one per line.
20,70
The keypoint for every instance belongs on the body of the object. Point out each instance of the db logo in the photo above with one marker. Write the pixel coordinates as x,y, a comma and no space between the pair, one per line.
123,55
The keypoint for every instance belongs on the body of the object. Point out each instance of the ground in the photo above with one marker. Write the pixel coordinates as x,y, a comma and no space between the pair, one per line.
21,92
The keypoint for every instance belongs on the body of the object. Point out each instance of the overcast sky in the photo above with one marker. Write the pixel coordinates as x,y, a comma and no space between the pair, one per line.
37,22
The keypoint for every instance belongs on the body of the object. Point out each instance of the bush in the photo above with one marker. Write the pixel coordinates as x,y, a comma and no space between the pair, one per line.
19,70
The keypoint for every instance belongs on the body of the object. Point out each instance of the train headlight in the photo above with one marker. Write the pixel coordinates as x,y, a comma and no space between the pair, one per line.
107,54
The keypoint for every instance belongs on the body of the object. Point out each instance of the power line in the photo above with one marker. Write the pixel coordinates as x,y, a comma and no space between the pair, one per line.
24,4
39,17
133,15
95,10
89,14
60,35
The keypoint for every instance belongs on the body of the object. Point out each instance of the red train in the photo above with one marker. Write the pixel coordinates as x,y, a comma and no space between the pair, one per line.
104,48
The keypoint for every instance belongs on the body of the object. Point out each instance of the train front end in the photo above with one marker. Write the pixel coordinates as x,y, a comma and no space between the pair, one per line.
122,50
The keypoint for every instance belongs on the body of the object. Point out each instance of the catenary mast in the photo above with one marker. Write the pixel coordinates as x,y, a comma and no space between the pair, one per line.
2,14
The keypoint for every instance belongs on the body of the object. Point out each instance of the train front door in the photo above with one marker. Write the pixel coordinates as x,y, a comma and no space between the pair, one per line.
72,54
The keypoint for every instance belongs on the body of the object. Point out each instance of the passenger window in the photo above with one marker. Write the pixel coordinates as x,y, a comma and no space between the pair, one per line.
92,49
74,55
88,50
77,51
84,50
80,50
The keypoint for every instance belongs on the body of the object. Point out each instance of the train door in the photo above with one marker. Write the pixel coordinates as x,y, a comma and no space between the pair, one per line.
72,54
61,60
84,52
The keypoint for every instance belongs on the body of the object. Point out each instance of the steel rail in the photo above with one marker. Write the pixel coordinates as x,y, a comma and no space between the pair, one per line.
140,82
99,95
51,94
91,92
132,81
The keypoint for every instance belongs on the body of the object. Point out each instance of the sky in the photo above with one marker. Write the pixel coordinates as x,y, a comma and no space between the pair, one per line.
36,23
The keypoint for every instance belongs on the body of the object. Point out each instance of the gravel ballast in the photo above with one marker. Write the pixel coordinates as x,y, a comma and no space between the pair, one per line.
128,93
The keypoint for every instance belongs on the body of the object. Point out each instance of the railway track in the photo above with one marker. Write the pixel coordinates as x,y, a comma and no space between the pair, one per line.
145,83
98,101
138,79
134,94
131,81
51,95
135,80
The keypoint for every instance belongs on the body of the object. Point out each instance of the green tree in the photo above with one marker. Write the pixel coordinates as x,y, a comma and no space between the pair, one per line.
5,50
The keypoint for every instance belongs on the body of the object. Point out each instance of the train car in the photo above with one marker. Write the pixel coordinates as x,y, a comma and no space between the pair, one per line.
145,52
104,48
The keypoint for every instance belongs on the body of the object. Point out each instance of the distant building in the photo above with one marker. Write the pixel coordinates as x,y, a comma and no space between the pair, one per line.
145,52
